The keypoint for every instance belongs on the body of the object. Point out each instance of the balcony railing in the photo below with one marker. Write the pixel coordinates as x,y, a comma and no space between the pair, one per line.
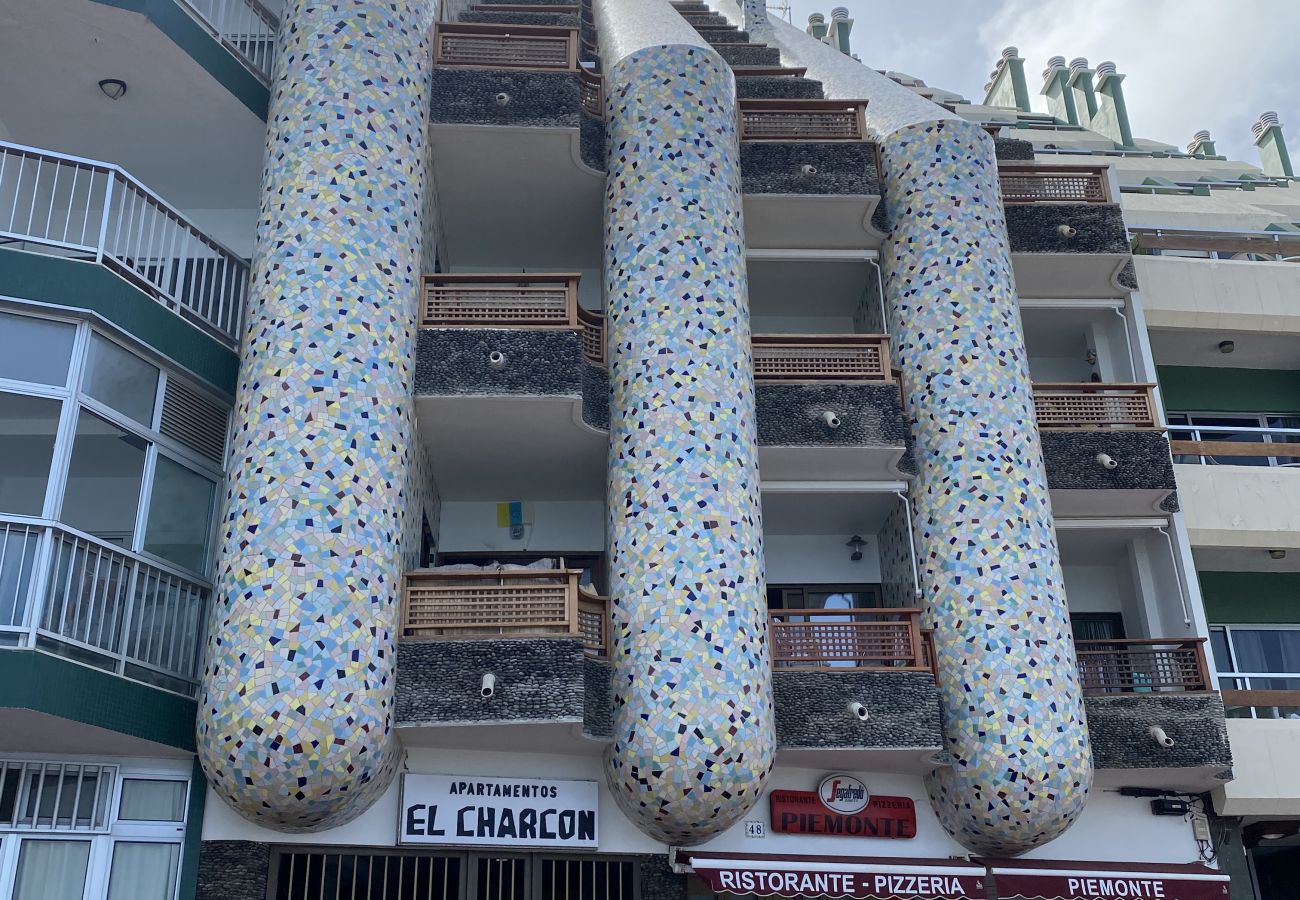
1053,184
550,302
803,120
532,47
1145,666
592,90
821,357
244,27
68,593
1261,695
1089,406
834,639
1231,445
1256,246
92,211
514,603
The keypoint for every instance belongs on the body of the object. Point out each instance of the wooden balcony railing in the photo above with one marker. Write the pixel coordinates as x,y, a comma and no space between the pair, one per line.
834,639
592,335
534,47
1145,666
503,603
1033,183
821,357
1267,246
1089,406
509,300
803,120
591,88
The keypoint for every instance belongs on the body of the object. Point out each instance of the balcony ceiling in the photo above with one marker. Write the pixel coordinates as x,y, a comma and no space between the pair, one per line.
177,129
1244,559
1051,276
827,513
1255,350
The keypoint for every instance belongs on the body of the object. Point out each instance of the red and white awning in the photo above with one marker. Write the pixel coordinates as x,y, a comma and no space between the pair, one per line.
1050,880
844,877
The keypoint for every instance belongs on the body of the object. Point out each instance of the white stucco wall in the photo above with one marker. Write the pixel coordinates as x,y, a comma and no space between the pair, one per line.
1264,761
1230,295
1241,506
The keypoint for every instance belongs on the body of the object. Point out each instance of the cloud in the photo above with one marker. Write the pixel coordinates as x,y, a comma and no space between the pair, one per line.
1191,64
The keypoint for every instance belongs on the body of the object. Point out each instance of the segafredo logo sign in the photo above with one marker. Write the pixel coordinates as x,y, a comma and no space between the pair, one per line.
843,794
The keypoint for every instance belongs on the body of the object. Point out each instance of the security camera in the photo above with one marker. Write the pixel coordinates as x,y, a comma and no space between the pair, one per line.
808,170
860,711
1158,735
831,420
497,359
1066,231
503,99
488,686
1106,461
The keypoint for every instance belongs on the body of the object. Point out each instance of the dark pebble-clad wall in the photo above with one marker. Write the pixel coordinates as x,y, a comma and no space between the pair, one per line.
1033,228
537,99
598,711
233,870
658,880
777,168
1013,150
870,415
777,87
812,709
439,681
1143,457
455,361
1121,738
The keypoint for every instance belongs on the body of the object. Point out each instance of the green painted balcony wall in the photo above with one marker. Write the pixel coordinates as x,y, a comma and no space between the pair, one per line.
1251,598
1196,389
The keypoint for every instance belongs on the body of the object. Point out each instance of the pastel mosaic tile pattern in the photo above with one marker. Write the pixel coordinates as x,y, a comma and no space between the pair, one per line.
294,726
693,732
990,568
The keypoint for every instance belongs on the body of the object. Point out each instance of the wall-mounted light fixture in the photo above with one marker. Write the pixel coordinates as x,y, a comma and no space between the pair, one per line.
1277,554
1227,346
113,88
856,543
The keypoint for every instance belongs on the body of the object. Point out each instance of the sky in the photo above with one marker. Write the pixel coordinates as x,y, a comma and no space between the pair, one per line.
1190,64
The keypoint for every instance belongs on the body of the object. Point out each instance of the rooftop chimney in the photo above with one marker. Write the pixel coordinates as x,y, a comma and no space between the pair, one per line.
841,25
1007,86
1111,118
817,26
1056,87
1202,145
1272,146
1085,96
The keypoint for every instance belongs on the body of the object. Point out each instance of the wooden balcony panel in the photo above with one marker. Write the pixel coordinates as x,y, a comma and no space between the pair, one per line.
1094,406
1033,183
1284,245
827,357
848,639
1143,666
592,91
1236,448
509,300
540,48
503,603
1262,699
802,120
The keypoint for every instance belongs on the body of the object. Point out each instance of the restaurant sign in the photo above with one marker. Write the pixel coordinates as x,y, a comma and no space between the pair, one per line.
805,812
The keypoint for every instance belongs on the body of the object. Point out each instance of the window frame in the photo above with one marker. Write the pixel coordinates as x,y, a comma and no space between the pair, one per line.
1260,421
1242,679
73,399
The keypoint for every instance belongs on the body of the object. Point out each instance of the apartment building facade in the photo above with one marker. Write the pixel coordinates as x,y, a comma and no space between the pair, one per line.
626,449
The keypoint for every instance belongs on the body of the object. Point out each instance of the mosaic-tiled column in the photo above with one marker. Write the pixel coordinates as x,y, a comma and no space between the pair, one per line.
294,726
756,21
693,733
1021,765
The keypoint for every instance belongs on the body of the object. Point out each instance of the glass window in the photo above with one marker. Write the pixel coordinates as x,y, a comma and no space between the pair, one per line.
28,426
180,515
150,800
103,490
143,871
35,349
51,870
1265,650
120,379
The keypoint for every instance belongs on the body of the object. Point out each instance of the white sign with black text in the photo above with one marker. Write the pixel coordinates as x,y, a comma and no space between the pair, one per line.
477,811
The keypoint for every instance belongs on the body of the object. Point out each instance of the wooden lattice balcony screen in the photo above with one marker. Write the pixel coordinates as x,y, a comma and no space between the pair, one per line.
825,357
835,639
1092,406
803,120
533,301
1143,666
535,47
1053,184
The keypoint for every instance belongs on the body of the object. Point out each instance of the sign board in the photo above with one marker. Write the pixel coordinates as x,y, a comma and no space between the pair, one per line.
478,811
843,794
865,879
803,812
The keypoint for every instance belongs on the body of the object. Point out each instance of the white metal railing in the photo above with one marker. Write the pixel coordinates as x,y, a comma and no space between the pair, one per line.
1228,445
244,27
68,592
94,211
